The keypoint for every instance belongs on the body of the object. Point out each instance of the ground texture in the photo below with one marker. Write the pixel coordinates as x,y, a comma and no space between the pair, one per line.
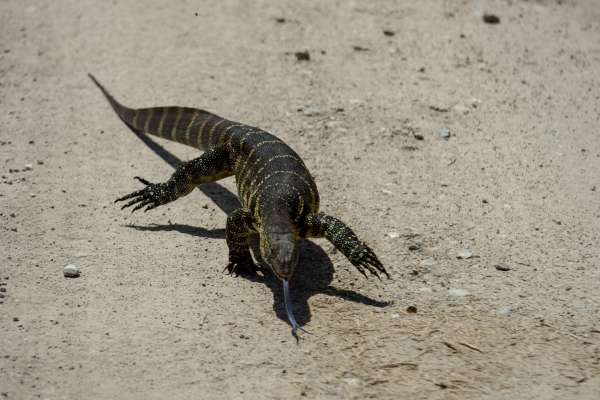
516,183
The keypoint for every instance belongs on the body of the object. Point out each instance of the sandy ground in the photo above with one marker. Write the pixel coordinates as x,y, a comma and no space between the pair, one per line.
152,315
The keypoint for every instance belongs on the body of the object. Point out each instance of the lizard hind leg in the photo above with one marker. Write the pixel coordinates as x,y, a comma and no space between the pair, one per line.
238,229
346,241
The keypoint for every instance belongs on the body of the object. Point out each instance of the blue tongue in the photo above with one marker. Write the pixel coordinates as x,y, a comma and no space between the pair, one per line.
288,308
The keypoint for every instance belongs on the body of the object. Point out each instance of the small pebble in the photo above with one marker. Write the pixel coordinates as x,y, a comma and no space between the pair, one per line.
504,311
414,247
464,254
491,19
393,235
385,191
502,267
302,55
444,133
28,167
457,292
428,262
311,111
71,271
411,309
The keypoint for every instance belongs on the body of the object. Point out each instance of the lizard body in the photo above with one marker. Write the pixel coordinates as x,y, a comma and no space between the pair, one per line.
278,195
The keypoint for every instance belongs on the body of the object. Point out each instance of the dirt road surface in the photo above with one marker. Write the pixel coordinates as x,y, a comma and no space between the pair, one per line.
434,134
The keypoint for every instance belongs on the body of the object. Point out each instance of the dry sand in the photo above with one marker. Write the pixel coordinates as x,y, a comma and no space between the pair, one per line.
152,315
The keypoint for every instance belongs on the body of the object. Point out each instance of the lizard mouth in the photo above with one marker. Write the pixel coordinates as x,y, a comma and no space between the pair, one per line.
277,273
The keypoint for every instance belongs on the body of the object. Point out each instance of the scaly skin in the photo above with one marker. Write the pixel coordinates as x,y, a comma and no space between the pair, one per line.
279,198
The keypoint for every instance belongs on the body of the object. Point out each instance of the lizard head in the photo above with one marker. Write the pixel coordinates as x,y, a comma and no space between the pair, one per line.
280,252
279,249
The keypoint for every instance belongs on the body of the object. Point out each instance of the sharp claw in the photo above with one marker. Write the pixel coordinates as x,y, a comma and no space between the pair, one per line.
145,182
366,264
132,202
150,207
368,260
227,268
141,205
362,271
129,196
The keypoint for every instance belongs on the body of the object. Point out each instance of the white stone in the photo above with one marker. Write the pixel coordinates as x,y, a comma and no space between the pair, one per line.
71,271
444,133
311,111
504,311
428,262
464,254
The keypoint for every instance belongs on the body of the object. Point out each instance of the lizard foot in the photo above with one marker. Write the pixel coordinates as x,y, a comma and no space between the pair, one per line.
153,195
242,267
365,259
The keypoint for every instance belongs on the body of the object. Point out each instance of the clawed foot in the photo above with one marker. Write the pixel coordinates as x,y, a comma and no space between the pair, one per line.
152,196
366,259
246,267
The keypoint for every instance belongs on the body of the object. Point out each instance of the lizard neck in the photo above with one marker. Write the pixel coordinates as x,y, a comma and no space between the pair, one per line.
275,217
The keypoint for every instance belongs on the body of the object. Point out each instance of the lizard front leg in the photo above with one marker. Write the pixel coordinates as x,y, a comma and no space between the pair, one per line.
238,229
344,239
209,167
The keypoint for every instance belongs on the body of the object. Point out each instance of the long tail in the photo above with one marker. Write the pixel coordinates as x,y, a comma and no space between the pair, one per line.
191,126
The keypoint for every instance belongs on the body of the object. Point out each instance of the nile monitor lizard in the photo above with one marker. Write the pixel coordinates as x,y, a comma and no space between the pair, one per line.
279,197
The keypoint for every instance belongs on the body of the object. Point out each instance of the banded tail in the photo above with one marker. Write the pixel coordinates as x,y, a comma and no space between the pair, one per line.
191,126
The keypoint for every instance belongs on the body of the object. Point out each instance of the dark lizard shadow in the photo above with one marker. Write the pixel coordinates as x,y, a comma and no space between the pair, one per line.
314,273
183,228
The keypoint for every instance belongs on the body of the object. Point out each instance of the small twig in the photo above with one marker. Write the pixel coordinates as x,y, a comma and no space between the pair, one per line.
522,263
451,346
544,323
400,364
470,346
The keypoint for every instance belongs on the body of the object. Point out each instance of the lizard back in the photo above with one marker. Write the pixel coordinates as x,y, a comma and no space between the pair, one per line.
267,170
